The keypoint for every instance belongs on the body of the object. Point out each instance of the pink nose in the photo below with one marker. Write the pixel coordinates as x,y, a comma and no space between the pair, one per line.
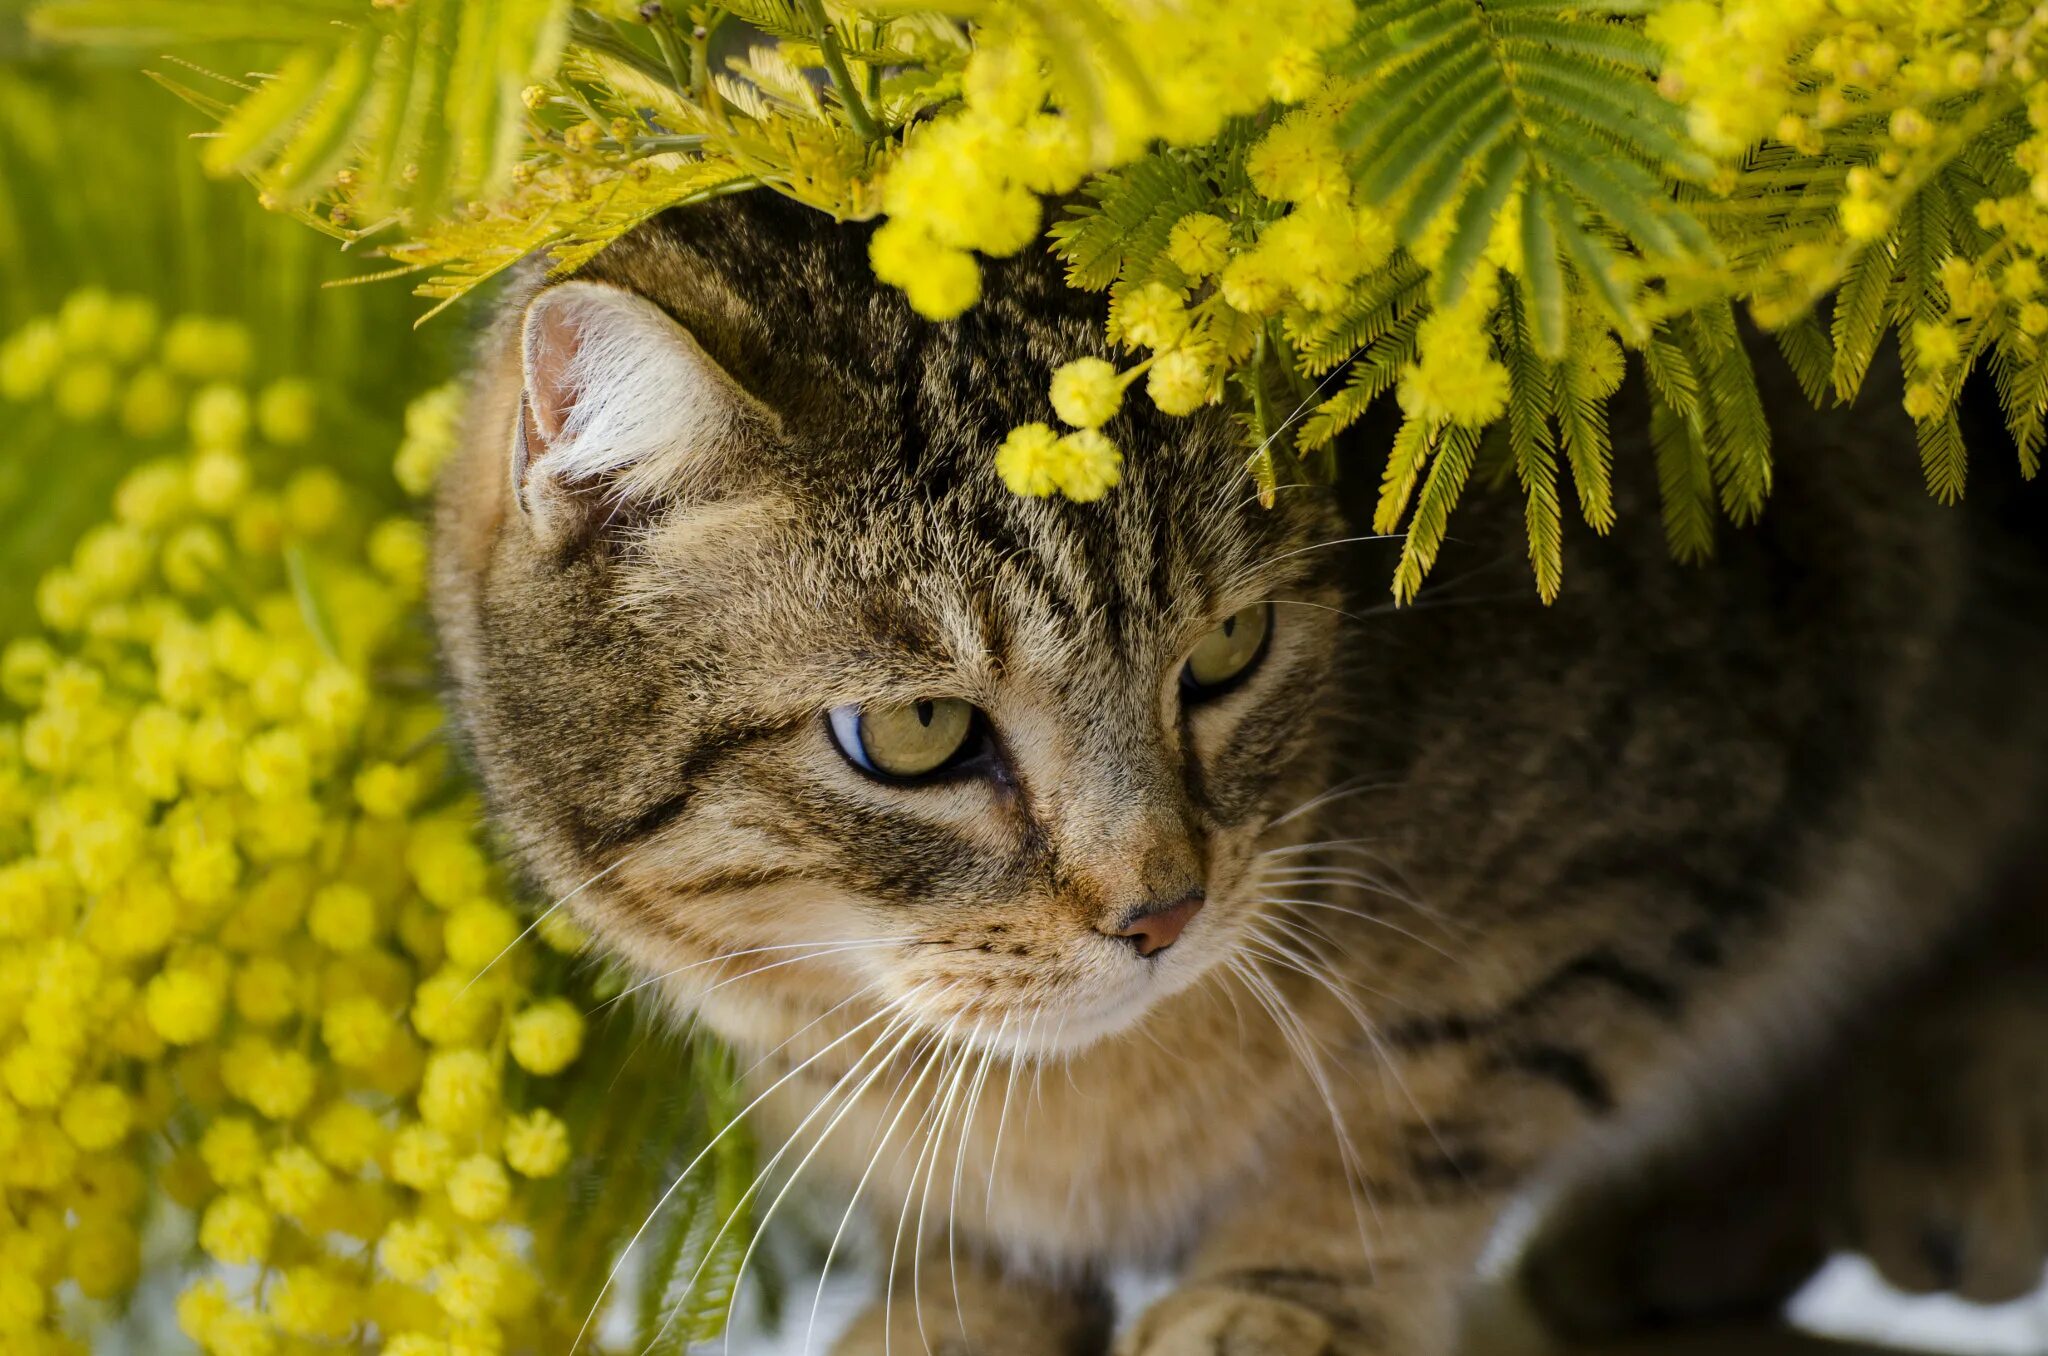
1155,929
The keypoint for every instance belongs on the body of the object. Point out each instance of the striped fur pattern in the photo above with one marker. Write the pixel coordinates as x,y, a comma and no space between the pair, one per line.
1496,894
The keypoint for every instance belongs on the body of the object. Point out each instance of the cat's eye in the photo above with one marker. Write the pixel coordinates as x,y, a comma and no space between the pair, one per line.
912,740
1226,656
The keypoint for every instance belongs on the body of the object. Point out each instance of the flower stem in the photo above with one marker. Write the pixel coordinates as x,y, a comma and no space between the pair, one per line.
835,63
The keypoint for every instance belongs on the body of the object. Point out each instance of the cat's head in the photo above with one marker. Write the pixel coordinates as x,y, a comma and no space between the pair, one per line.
771,678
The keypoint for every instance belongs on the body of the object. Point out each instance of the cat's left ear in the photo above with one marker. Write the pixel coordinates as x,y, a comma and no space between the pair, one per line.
621,407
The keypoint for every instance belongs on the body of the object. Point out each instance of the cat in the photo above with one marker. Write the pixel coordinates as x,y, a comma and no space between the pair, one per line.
1118,883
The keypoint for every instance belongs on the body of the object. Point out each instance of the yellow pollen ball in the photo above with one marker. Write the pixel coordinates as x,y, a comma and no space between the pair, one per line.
343,918
236,1229
420,1157
347,1135
184,1006
459,1090
536,1143
478,1189
547,1037
411,1249
1089,465
232,1149
386,790
1199,244
357,1031
1086,392
295,1181
96,1116
478,933
36,1074
1179,382
1026,460
266,991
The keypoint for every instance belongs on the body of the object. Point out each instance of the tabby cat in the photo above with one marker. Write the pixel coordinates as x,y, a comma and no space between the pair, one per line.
1118,883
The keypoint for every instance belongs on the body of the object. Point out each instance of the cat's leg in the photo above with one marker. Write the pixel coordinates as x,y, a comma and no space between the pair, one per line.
1945,1183
963,1305
1921,1142
1292,1271
1361,1235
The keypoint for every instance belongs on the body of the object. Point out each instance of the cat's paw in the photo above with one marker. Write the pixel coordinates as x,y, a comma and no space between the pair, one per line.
1947,1181
1208,1320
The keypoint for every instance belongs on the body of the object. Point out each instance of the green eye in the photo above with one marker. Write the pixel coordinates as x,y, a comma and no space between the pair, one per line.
1222,658
910,740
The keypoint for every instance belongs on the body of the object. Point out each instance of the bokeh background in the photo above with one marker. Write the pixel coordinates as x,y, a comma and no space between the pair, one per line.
99,187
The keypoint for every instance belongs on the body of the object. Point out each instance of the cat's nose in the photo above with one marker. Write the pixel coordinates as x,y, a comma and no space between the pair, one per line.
1155,927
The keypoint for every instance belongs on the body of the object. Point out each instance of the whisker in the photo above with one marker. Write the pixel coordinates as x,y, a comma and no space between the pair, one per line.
851,1100
832,948
538,920
961,1063
839,1234
988,1056
1351,786
1301,1045
1361,914
693,1164
1334,541
926,1121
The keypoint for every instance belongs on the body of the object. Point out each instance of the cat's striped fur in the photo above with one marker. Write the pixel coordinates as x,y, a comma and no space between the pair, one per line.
1495,892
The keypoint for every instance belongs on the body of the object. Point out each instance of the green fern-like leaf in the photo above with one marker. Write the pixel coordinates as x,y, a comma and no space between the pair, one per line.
1448,470
1533,443
1469,104
1685,483
1145,199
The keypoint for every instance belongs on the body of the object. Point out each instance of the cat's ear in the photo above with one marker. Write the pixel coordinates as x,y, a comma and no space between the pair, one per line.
621,408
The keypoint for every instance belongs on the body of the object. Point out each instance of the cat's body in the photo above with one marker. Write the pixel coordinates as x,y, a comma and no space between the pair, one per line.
1495,894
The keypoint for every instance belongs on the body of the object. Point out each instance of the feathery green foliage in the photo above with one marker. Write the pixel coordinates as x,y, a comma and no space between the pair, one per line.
1480,208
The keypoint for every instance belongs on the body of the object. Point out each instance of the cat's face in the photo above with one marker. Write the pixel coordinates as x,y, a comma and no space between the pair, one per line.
764,666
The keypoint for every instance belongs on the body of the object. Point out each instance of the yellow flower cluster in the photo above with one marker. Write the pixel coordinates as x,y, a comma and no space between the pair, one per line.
1937,75
971,180
253,961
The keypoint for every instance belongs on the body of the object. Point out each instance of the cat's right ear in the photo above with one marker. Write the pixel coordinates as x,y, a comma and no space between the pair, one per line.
620,409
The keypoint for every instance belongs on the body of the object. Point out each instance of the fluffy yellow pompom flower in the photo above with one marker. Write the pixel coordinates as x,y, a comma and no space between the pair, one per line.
1027,459
357,1031
478,1189
184,1005
478,932
1087,392
536,1143
386,790
1179,382
1089,465
286,410
37,1074
459,1091
420,1157
444,863
411,1249
295,1181
96,1116
1199,244
547,1037
347,1135
451,1007
343,918
1152,316
312,1302
232,1149
236,1229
